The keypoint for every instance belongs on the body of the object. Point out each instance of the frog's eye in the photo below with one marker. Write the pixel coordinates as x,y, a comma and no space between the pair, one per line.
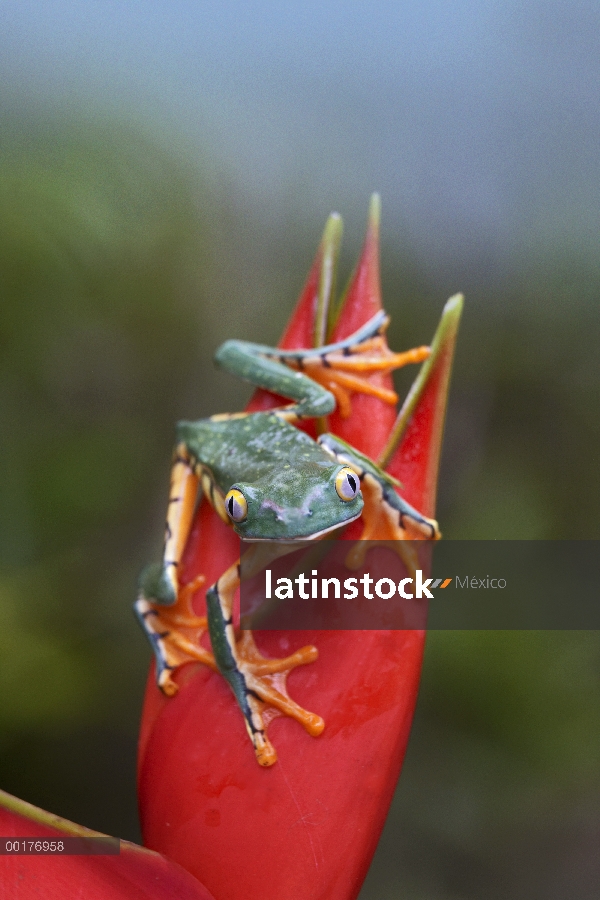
236,505
347,484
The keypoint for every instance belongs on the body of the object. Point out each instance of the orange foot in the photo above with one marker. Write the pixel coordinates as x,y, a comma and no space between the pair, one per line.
267,694
175,633
344,374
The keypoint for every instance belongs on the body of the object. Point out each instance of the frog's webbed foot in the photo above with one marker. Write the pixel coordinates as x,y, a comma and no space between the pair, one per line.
343,373
258,683
174,632
265,681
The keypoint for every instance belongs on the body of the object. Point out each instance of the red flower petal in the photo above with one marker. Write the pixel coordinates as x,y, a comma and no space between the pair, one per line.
419,428
308,826
135,874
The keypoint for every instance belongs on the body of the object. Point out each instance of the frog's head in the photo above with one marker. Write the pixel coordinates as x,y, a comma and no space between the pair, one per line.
297,503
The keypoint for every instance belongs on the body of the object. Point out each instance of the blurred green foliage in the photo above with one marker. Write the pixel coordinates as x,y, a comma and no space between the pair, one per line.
121,269
103,255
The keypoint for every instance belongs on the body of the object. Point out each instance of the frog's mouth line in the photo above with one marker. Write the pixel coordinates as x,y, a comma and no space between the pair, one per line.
301,539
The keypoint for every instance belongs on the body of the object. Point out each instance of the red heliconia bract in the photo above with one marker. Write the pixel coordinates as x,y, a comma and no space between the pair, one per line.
134,874
307,827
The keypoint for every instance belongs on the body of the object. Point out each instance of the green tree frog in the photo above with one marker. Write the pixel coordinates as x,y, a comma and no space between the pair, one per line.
271,482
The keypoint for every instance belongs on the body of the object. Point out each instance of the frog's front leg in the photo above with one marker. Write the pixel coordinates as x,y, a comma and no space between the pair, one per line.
387,517
163,608
258,683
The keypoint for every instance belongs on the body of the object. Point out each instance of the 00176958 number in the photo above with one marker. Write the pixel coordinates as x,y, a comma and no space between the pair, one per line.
69,846
24,845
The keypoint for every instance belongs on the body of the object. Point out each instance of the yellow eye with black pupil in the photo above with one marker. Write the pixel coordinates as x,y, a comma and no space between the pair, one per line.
236,505
347,484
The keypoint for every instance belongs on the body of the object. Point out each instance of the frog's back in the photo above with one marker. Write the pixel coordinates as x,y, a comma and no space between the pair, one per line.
253,445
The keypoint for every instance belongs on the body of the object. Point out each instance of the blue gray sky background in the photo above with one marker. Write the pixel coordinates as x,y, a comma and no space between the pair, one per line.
478,122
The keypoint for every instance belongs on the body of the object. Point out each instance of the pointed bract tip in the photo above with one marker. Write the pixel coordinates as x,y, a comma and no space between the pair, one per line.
329,252
374,212
454,304
332,233
448,324
442,348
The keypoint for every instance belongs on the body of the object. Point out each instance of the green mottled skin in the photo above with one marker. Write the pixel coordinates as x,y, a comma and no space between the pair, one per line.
287,479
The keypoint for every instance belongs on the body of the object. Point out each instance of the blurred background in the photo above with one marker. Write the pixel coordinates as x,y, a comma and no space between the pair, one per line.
166,170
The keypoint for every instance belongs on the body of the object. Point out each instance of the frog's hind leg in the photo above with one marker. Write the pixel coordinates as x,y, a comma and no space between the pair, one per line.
258,683
163,608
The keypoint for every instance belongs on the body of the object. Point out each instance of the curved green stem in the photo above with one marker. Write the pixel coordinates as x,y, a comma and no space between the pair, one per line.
51,820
